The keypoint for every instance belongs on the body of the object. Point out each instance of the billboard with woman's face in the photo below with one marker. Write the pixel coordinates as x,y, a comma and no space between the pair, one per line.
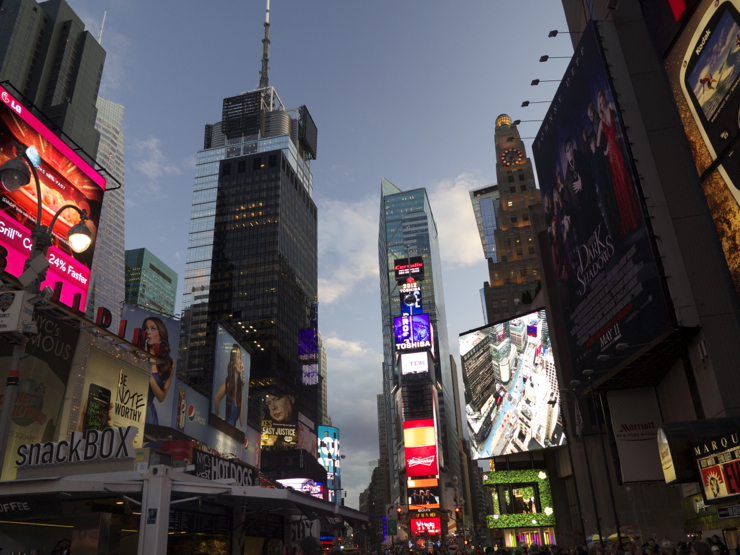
160,336
65,178
280,421
230,380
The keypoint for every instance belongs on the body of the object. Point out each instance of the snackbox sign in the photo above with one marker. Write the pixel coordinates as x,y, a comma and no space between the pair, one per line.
108,444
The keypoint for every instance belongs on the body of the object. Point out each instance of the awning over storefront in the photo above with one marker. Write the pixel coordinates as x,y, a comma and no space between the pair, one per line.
162,488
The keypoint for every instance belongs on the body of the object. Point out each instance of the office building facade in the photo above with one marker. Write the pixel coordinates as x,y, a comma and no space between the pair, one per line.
150,283
108,273
47,56
252,251
408,231
512,262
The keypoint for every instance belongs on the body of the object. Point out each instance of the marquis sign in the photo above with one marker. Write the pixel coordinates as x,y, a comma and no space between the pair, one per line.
108,444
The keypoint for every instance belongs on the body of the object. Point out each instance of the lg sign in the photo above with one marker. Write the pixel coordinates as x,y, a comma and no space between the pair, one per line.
414,363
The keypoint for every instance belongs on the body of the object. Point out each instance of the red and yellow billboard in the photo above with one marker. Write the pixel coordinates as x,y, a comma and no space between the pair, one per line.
420,442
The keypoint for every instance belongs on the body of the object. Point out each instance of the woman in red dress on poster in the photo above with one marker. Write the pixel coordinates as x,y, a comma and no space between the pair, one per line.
624,189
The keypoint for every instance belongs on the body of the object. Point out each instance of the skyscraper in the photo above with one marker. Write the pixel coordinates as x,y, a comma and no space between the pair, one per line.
513,271
323,373
252,251
107,276
47,55
150,283
408,233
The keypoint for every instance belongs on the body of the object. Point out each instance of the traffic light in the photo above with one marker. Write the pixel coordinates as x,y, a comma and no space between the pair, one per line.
457,511
399,510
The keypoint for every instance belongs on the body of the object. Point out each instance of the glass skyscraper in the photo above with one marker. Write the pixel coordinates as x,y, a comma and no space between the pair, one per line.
108,270
252,250
150,283
485,205
407,229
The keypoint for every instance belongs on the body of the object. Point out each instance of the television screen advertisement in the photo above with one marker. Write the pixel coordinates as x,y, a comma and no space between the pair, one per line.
65,179
512,400
230,380
420,446
405,268
279,421
114,395
44,377
412,333
190,412
330,455
423,494
414,363
607,281
157,332
410,301
423,526
703,69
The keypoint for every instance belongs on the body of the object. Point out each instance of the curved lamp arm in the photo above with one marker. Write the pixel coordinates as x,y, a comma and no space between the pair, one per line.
82,213
20,149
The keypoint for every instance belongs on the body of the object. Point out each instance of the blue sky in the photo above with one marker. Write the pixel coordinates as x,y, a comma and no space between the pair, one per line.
407,90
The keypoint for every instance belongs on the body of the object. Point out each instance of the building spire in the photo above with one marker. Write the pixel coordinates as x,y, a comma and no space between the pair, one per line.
100,34
264,81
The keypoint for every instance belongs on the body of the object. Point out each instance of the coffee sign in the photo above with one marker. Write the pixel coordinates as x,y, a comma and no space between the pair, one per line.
108,444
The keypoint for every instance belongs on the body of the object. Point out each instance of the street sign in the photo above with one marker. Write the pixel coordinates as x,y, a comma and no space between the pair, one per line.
391,526
14,311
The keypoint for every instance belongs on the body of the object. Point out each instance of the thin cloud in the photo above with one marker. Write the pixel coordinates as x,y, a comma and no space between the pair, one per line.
348,246
151,161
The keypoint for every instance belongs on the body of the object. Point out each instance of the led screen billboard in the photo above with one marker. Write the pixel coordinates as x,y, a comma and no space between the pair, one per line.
279,421
420,446
608,287
422,526
330,456
230,380
411,301
409,267
414,363
65,179
702,67
114,395
512,400
304,485
412,332
423,494
156,332
308,344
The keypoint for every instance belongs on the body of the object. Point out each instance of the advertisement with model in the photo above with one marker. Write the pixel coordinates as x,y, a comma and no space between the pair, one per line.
65,179
279,421
114,395
158,335
703,67
190,413
44,376
512,400
608,284
423,494
230,380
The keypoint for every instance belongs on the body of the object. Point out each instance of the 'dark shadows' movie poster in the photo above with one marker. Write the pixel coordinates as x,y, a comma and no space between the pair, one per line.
608,286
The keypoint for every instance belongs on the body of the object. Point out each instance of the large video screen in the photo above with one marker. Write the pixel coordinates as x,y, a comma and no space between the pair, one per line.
512,399
608,286
65,179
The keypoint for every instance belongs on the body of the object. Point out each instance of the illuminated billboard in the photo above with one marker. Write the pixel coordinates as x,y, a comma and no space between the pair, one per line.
230,380
412,332
279,421
156,332
423,494
411,301
414,363
512,400
65,179
422,526
608,287
420,446
330,456
190,412
409,267
304,485
703,71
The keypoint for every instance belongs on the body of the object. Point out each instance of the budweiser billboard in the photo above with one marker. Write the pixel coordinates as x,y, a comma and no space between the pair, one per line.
420,443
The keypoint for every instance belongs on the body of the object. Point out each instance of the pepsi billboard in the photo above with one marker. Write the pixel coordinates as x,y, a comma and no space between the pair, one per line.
190,415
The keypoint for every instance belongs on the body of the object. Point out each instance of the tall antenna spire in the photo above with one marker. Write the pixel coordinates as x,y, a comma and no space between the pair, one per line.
264,81
100,34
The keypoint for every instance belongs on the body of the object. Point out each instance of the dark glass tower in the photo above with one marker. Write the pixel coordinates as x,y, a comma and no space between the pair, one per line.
252,252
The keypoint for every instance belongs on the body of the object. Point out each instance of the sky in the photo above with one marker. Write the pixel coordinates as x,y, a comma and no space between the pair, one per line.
407,90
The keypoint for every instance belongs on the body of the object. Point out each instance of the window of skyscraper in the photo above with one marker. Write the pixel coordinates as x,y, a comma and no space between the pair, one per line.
525,218
521,178
507,241
535,272
512,189
511,178
523,272
523,187
519,251
514,220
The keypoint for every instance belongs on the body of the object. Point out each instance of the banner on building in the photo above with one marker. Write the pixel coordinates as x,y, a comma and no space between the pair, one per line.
190,412
635,419
44,376
607,281
160,336
231,368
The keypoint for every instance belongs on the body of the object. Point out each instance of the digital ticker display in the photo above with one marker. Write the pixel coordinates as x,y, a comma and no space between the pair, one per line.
512,400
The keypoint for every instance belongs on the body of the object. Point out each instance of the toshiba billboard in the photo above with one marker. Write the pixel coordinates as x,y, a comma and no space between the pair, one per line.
420,445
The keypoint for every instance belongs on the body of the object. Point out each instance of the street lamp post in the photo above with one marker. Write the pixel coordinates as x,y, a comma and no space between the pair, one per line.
14,174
